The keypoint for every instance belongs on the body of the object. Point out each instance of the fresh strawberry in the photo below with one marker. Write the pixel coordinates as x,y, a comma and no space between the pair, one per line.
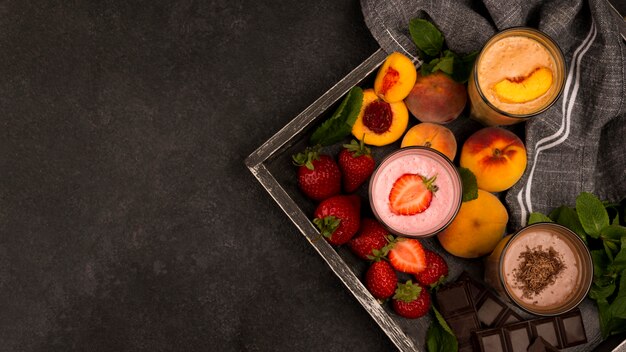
435,272
381,280
411,300
411,194
371,236
407,255
338,218
319,176
356,165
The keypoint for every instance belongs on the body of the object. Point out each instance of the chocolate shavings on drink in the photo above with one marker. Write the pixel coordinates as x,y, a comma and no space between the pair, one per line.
539,269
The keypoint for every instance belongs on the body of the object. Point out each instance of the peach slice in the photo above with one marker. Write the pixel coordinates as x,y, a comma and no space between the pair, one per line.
477,227
395,78
524,89
436,98
496,156
431,135
379,122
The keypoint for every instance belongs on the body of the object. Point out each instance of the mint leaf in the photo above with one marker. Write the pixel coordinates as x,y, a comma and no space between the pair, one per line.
567,217
592,214
609,248
613,232
537,217
428,67
463,67
470,186
439,337
339,125
426,37
446,63
601,292
600,262
618,307
606,317
619,262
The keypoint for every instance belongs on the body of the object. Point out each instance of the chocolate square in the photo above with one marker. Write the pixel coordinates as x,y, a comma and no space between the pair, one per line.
518,336
572,329
454,299
541,345
463,325
548,329
490,309
510,317
490,340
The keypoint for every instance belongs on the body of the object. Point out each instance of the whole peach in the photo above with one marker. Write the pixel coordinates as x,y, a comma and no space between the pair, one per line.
436,98
431,135
477,227
496,156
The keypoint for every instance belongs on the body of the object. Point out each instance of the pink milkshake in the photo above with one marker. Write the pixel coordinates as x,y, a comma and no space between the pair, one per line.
427,163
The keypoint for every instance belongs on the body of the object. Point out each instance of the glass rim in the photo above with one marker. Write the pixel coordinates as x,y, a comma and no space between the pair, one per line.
559,53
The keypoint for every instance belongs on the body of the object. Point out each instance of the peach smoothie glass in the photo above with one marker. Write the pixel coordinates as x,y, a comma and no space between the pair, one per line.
519,73
445,202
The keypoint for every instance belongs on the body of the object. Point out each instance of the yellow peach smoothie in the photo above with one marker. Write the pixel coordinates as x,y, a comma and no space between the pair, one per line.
519,73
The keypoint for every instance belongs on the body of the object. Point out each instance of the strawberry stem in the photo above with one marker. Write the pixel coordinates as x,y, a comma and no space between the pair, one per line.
358,148
307,156
407,292
430,183
327,225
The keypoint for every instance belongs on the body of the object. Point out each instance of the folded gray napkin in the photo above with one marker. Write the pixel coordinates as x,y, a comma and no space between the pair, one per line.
579,144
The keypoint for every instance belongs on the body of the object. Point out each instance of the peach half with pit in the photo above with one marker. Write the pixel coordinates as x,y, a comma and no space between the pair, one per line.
433,136
436,98
379,122
496,156
395,78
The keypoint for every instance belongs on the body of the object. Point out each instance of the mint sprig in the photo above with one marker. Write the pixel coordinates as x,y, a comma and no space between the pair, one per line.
607,243
439,337
430,47
339,125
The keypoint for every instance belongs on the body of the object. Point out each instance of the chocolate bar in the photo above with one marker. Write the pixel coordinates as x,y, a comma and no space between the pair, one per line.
561,331
467,305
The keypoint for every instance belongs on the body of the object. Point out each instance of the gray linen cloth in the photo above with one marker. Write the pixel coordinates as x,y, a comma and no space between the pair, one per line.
579,144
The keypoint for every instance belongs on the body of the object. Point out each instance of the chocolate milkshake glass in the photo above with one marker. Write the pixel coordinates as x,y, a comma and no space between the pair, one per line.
427,163
519,73
544,268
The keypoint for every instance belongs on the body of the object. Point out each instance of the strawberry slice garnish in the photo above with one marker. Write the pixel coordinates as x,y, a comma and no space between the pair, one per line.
407,255
411,194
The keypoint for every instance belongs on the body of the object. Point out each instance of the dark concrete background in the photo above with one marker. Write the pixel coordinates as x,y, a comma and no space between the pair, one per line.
128,221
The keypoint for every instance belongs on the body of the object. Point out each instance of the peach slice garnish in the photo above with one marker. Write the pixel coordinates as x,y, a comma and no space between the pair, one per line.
524,89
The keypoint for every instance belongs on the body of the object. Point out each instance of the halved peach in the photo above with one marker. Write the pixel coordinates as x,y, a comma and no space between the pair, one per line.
431,135
395,78
379,122
524,89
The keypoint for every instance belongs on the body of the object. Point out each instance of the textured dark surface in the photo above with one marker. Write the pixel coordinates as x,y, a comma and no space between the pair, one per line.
128,221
